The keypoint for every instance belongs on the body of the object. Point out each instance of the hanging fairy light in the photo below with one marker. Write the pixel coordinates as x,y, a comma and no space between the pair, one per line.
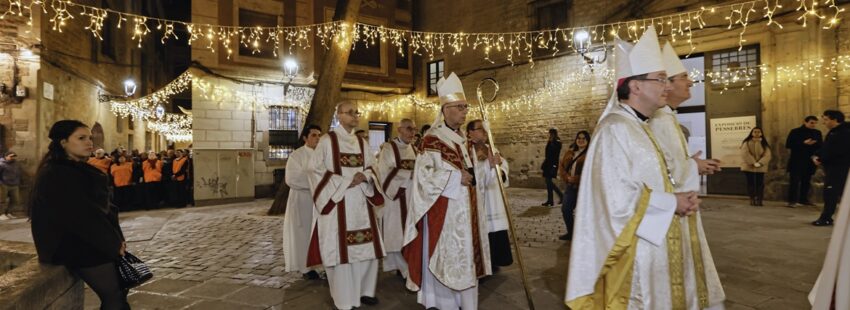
145,107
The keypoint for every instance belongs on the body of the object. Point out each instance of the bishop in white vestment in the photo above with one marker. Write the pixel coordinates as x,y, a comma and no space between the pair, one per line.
395,168
298,220
346,239
627,252
702,285
445,237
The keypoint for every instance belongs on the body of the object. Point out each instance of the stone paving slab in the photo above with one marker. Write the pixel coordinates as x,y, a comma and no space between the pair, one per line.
258,296
221,305
167,286
143,301
213,290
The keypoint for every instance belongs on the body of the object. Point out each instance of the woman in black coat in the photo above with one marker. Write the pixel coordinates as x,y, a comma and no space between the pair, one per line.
550,167
73,223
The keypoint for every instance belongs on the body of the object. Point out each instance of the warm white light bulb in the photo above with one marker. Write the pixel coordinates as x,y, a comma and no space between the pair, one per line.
290,67
129,87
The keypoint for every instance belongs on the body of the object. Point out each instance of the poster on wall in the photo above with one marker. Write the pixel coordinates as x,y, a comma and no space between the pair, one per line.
726,136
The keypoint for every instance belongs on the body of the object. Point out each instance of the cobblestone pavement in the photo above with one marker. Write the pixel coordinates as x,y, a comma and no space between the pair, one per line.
230,257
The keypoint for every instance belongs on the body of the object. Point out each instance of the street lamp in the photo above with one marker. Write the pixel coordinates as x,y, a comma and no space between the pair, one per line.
129,87
290,68
581,43
159,112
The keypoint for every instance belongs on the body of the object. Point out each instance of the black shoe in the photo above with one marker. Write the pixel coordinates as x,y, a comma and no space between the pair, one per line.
547,204
312,275
566,237
433,308
369,301
822,223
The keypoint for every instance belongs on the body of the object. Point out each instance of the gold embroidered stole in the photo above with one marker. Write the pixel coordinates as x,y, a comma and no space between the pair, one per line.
696,248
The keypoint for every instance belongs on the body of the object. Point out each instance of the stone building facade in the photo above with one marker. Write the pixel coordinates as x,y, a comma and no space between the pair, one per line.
235,128
64,73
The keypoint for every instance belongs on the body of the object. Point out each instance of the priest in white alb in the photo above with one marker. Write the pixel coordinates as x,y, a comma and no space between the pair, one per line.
395,169
627,251
833,283
298,220
702,288
485,160
445,237
346,239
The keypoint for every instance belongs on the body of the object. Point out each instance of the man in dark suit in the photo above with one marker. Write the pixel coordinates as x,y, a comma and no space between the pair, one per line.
834,157
803,142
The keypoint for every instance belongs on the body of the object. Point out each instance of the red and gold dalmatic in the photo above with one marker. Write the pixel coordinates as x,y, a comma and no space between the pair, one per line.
346,229
395,169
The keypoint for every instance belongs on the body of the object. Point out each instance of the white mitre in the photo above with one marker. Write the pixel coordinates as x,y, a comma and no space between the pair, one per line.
672,63
642,58
450,90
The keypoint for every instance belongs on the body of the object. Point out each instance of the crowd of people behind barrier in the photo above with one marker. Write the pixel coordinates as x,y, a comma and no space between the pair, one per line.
145,181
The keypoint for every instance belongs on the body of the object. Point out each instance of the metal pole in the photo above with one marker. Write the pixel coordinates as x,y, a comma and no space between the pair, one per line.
483,111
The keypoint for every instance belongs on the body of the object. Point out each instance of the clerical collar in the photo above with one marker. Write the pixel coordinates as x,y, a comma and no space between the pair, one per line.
450,127
639,115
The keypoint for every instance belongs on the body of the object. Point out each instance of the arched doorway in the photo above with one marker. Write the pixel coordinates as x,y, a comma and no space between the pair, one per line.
97,135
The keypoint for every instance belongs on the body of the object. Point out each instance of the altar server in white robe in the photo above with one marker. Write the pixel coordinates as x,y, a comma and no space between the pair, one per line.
445,237
485,162
298,220
830,290
346,239
627,251
705,290
395,167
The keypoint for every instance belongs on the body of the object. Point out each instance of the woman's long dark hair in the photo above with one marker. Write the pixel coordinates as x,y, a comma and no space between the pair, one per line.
764,143
61,130
553,135
574,146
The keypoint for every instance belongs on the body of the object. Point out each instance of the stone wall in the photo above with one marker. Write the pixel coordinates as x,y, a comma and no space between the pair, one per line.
843,38
31,285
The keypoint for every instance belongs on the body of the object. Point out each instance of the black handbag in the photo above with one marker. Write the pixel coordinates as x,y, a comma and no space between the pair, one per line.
132,271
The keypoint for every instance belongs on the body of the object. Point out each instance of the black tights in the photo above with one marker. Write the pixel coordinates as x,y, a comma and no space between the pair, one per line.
755,184
103,280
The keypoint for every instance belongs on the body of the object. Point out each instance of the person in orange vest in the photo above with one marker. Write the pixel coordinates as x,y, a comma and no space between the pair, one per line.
122,172
177,187
100,161
152,168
